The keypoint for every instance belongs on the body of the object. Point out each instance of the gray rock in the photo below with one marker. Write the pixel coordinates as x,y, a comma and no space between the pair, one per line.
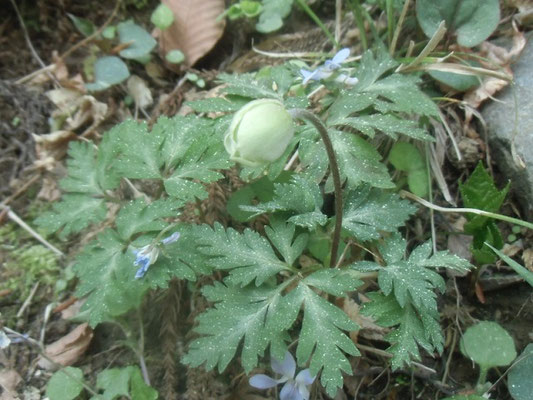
512,118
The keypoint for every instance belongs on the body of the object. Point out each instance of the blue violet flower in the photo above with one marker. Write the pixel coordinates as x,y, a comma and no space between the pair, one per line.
147,255
295,388
327,70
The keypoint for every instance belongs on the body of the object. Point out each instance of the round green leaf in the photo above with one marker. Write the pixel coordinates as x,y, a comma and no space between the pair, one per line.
175,56
458,82
472,21
269,23
234,12
62,387
140,42
405,157
520,379
108,71
109,32
83,25
162,17
488,345
418,182
250,9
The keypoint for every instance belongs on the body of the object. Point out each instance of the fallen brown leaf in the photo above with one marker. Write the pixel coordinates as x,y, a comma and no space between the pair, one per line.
195,29
9,380
368,329
527,256
67,350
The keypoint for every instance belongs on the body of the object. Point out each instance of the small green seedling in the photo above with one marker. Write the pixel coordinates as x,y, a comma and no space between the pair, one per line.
406,157
488,345
480,192
162,17
520,380
471,21
68,383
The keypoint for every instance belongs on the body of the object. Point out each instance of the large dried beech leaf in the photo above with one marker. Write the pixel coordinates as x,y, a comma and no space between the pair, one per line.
195,29
67,350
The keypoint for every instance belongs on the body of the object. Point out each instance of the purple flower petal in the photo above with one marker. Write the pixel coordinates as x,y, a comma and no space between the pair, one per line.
262,381
337,59
308,75
290,392
171,239
304,377
287,368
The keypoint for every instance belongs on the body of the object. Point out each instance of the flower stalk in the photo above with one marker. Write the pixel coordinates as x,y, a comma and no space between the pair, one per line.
334,167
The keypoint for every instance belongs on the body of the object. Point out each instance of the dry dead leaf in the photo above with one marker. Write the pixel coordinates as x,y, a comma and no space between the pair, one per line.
527,256
9,380
195,29
491,85
369,329
67,350
140,92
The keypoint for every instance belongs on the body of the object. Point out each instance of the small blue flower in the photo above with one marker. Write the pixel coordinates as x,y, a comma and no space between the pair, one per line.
294,388
147,255
326,70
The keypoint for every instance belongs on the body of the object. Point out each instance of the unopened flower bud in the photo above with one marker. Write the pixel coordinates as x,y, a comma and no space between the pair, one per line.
259,133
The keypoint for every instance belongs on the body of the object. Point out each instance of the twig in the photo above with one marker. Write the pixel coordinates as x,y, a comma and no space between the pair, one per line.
500,217
399,28
54,363
334,167
385,354
21,190
28,300
30,45
15,218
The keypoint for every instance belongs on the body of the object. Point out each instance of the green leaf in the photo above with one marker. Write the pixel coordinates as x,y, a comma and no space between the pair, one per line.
413,330
83,25
82,170
488,345
72,214
368,211
217,104
140,42
479,191
523,272
247,85
248,256
520,380
162,17
472,21
240,314
108,71
359,162
175,56
301,197
460,82
137,216
114,382
139,389
107,277
323,341
272,15
62,387
250,9
281,235
137,150
200,162
466,397
335,281
406,157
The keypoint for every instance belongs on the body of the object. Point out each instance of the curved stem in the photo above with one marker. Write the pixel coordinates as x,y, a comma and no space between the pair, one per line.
334,167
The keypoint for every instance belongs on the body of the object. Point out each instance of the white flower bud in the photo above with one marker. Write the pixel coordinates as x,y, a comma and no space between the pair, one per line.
259,133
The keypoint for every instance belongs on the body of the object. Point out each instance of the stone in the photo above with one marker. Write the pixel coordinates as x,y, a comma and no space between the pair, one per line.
510,129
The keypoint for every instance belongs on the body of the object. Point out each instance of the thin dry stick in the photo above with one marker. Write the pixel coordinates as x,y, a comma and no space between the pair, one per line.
398,28
334,167
500,217
338,20
30,45
15,218
27,302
